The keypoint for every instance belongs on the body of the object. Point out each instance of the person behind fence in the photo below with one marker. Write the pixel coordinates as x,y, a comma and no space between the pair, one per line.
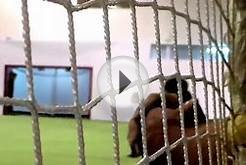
155,139
153,101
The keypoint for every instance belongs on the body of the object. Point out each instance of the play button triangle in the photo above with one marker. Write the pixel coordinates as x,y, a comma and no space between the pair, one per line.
123,81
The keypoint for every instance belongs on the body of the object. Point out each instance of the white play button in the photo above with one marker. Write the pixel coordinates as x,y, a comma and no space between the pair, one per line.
124,73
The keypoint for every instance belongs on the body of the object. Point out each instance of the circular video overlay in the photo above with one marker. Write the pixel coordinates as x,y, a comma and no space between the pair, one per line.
124,75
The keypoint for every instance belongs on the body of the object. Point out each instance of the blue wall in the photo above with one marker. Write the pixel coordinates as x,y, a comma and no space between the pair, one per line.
52,86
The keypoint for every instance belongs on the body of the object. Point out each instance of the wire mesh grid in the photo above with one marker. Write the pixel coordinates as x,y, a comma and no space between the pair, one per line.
216,16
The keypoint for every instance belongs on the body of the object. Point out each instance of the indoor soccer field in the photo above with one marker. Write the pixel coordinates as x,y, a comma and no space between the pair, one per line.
59,141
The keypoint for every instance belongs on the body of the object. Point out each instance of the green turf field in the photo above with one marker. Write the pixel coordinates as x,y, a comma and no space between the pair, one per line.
59,141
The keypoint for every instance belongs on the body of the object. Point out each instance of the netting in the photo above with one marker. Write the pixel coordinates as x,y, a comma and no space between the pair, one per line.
214,30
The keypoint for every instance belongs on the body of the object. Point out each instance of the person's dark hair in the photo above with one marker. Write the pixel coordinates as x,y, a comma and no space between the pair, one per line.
171,85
